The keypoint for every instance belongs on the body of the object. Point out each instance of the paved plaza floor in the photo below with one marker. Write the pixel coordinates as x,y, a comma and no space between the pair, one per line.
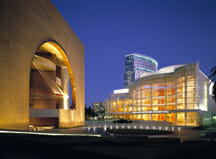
103,141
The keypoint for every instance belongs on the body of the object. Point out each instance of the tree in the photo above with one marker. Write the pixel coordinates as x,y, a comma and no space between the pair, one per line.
89,112
213,79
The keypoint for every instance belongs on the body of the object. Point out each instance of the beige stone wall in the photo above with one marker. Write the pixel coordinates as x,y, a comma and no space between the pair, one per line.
24,26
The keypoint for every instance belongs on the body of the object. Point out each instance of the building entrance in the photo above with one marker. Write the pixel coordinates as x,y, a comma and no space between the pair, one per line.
50,80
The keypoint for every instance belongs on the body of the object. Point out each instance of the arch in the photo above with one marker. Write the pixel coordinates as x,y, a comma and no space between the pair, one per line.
18,44
53,46
50,76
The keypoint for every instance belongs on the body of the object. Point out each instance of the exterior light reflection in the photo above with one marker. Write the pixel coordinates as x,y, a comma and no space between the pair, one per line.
179,128
46,133
173,128
65,96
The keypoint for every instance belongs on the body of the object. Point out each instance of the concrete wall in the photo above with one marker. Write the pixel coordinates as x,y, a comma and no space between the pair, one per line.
24,26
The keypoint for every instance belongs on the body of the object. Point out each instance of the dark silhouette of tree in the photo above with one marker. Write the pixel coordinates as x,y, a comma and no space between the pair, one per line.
213,79
89,112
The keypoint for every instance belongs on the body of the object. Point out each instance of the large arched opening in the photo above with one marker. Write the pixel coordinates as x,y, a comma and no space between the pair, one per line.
52,85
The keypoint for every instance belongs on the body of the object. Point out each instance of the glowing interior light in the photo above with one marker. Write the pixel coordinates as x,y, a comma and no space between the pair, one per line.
111,127
134,126
205,108
123,127
166,128
141,127
116,126
119,91
147,127
65,96
128,127
153,127
159,127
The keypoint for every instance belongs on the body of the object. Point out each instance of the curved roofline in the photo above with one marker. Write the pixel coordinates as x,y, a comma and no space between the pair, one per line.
144,56
169,68
164,70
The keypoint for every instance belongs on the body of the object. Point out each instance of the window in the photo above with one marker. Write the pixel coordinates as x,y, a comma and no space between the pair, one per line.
146,91
180,90
190,83
191,118
158,89
158,101
171,100
180,79
171,107
191,106
171,90
181,118
190,94
180,106
158,117
146,108
171,117
146,101
191,100
146,116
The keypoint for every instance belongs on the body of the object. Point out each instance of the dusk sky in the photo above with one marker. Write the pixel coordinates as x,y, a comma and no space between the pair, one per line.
171,31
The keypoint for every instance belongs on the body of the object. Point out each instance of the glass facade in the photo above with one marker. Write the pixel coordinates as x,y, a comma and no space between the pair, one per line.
170,96
136,65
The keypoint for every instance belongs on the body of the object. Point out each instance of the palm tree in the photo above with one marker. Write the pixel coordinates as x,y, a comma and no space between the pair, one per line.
212,77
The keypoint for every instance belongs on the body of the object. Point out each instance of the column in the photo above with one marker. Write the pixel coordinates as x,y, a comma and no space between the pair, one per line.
165,100
151,98
176,99
124,109
141,103
185,99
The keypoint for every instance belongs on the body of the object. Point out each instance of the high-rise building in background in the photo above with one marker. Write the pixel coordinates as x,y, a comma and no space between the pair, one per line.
137,65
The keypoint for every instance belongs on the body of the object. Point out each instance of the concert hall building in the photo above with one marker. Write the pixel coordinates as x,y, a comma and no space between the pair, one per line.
178,94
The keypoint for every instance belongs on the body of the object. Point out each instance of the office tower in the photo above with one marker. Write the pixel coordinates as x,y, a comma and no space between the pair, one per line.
137,65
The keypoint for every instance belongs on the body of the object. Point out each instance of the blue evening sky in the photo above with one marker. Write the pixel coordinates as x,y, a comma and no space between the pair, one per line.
171,31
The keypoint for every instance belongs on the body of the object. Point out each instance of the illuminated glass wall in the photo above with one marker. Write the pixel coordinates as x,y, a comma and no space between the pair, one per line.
171,97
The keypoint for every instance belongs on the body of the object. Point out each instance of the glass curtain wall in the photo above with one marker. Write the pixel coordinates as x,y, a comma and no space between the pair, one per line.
162,98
